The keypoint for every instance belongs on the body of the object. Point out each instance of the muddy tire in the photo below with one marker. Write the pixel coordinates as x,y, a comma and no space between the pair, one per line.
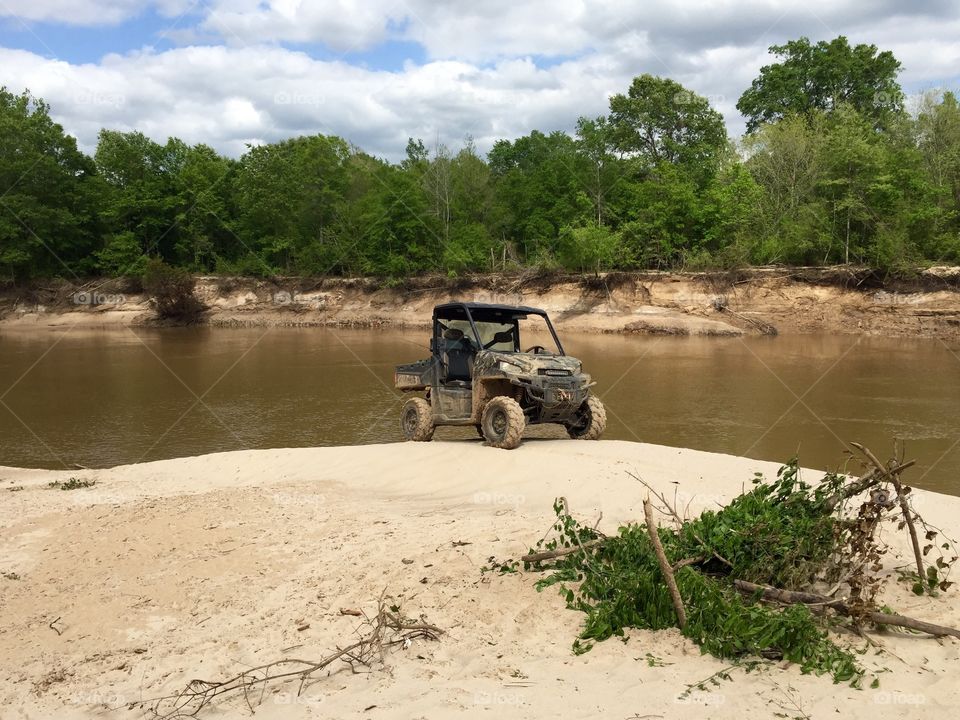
416,420
503,423
590,422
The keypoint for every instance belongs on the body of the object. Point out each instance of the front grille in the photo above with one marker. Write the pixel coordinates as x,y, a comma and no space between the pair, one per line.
555,372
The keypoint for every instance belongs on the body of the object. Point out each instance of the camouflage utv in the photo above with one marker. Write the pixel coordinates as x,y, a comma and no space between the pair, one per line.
477,375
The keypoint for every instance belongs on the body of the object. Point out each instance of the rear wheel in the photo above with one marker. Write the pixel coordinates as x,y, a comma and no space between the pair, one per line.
416,420
590,420
503,423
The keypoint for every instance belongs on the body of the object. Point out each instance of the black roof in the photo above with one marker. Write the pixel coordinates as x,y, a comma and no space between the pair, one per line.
481,308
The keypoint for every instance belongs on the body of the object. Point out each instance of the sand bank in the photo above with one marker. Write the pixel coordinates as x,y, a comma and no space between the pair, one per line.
197,567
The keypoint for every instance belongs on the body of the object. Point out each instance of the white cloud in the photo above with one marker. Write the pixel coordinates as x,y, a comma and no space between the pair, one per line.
342,25
226,96
480,80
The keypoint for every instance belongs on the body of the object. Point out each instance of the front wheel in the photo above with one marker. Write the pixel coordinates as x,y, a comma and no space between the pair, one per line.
416,420
503,423
589,421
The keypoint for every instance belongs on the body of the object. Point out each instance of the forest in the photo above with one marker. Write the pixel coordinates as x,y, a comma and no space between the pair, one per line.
835,167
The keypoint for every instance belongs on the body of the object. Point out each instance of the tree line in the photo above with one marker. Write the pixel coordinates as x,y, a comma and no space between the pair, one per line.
833,168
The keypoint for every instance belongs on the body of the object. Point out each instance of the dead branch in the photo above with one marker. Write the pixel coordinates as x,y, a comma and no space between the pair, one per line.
793,597
385,630
664,564
560,552
894,472
679,521
869,480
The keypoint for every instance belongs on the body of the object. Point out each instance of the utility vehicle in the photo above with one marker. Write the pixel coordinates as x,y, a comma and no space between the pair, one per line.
477,375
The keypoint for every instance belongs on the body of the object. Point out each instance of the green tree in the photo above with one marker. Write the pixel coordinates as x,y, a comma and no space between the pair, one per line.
469,245
141,201
538,190
938,141
290,196
595,144
659,121
823,77
49,223
204,211
791,223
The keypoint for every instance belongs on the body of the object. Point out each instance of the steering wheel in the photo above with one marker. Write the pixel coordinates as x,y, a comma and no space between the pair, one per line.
536,349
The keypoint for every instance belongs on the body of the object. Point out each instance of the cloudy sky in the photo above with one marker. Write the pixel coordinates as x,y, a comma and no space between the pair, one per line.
229,73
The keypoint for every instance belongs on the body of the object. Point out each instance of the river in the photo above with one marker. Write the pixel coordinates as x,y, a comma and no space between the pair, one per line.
102,398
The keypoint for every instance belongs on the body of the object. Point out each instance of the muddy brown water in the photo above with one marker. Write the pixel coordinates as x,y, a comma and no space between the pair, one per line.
102,398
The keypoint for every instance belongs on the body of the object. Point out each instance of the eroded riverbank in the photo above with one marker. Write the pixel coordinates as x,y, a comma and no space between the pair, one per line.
759,301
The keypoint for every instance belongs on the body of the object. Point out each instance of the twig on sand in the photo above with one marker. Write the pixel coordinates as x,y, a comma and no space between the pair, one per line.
386,629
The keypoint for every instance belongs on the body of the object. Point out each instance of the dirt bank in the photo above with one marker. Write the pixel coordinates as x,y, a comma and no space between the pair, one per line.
827,300
194,568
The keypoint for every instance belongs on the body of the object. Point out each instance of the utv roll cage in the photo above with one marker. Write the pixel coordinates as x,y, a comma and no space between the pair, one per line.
474,312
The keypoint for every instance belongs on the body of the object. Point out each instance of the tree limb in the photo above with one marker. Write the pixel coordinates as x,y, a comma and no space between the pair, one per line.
664,564
560,552
901,497
793,597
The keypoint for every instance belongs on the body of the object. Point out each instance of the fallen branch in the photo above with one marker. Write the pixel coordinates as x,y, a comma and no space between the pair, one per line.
664,564
902,498
679,520
560,552
793,597
386,629
866,482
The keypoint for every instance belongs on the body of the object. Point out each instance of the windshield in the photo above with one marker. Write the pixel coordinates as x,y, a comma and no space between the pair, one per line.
507,335
498,336
534,333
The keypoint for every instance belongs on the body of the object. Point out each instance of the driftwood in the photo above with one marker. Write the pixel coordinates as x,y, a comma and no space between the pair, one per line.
901,497
664,564
793,597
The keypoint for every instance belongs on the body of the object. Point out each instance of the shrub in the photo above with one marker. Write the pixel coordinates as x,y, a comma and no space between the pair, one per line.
171,290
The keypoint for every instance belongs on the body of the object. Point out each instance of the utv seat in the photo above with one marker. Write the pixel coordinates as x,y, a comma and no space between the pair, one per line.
458,357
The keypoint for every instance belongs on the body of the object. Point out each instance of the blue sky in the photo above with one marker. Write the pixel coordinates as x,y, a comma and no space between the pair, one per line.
149,29
239,72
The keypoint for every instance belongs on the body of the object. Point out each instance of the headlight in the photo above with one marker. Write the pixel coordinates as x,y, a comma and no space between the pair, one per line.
507,367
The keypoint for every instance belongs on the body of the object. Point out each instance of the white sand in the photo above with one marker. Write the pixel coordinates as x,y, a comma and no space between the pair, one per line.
198,567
